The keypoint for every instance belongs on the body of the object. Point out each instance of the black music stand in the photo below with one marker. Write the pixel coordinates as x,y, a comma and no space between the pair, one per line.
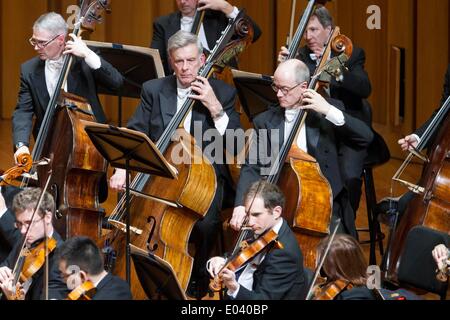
157,277
136,64
130,150
254,91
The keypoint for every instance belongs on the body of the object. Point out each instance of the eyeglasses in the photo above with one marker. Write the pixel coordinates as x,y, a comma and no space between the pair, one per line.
41,44
284,90
26,224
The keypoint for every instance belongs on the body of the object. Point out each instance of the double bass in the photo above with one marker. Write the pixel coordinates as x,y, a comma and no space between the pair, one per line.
430,206
164,227
309,197
76,164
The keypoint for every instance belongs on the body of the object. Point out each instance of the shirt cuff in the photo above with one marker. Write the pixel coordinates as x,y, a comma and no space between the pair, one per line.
221,124
233,14
417,137
335,116
2,212
93,60
233,294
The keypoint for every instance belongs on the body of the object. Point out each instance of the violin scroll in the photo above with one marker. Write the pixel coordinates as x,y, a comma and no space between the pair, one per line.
24,164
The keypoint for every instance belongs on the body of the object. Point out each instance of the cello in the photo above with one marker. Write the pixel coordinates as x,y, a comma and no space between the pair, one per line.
76,165
430,206
164,227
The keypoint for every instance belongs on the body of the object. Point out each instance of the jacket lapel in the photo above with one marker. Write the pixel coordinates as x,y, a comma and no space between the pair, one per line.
312,133
168,101
276,122
38,79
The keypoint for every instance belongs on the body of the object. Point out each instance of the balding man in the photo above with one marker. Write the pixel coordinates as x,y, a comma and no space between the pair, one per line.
326,126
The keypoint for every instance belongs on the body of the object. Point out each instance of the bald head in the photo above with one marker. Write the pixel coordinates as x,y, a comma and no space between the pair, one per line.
292,70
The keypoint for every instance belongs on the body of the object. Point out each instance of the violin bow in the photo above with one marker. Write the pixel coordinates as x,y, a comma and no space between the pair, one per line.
322,260
243,232
16,271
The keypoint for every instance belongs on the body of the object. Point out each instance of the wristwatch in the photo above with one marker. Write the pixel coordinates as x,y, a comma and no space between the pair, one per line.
20,144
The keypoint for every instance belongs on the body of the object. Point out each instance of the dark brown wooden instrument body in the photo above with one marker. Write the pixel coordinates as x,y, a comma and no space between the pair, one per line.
193,191
309,202
77,168
431,209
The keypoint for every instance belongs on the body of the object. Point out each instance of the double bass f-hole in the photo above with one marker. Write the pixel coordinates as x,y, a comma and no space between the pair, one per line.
152,221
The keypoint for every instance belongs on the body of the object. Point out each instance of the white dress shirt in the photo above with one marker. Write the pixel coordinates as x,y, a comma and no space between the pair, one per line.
334,115
53,70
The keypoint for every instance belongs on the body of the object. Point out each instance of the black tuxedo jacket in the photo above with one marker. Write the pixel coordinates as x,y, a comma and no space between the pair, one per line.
112,288
280,275
57,288
323,141
356,84
33,95
445,95
214,23
9,234
159,104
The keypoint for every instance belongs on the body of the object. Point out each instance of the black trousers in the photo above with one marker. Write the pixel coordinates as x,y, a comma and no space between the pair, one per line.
204,234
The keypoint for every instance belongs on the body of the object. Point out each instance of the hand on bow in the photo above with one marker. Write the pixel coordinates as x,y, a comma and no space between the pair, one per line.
117,180
283,54
408,142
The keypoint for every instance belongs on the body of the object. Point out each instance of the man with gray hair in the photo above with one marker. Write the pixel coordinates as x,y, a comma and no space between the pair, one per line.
214,111
39,76
325,127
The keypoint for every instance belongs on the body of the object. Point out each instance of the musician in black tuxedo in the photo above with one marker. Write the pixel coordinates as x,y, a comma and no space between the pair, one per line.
412,140
24,204
214,113
276,273
9,235
80,260
215,21
352,89
39,76
326,127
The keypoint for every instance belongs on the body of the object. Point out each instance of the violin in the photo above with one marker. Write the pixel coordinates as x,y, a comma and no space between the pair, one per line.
330,290
267,241
85,291
32,261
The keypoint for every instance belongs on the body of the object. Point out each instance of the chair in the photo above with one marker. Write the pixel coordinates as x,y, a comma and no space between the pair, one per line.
378,154
417,267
